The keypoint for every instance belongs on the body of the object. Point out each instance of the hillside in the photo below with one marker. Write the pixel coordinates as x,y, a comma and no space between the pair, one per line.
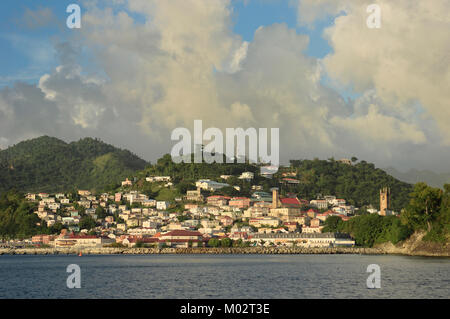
359,184
48,164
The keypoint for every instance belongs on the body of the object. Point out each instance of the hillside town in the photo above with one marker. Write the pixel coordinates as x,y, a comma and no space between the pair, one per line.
129,218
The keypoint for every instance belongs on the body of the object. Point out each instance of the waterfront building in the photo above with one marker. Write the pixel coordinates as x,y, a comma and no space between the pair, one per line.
304,239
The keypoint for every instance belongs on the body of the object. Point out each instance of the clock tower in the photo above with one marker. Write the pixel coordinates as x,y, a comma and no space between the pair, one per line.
385,201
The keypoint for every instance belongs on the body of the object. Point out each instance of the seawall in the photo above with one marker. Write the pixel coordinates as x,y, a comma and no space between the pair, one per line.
211,251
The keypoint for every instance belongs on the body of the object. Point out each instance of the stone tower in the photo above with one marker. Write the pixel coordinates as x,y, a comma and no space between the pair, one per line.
275,197
385,200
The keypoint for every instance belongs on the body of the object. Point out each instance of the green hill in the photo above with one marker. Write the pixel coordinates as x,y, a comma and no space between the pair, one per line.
48,164
359,183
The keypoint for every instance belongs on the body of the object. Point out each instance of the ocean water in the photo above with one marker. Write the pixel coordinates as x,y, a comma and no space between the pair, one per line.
224,276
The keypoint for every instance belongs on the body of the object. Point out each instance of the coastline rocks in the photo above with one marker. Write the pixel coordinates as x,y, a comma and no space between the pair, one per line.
214,251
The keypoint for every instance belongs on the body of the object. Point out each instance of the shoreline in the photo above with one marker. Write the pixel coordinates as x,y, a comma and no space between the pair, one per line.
218,251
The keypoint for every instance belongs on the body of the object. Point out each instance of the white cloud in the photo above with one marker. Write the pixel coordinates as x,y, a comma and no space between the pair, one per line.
406,60
185,63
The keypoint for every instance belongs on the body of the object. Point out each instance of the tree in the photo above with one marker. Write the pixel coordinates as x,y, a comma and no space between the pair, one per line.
100,212
87,222
225,242
423,207
213,242
332,224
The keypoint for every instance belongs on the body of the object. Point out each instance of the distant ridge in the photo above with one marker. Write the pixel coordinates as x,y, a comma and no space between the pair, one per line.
49,164
415,176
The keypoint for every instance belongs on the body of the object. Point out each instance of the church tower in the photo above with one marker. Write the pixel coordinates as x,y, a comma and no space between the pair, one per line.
385,200
275,198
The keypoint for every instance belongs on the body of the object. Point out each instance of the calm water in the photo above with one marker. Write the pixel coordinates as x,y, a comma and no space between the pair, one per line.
224,276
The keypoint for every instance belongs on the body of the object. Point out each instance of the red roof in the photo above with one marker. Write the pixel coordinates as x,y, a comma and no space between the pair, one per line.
82,236
183,240
180,232
290,201
218,197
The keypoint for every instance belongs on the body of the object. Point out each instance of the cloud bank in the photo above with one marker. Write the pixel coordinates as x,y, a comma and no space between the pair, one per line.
183,62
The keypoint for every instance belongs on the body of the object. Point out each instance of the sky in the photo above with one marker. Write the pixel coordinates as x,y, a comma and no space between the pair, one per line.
138,69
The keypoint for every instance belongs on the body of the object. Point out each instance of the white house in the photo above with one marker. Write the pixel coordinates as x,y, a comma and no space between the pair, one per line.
162,205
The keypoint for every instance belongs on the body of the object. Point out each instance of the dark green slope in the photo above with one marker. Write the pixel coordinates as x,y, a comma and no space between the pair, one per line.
48,164
359,183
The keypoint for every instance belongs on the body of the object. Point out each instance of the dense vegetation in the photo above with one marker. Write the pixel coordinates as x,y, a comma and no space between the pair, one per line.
428,210
47,164
368,230
16,216
359,184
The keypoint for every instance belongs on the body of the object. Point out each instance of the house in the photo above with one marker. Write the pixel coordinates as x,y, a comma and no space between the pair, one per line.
290,203
82,241
247,175
152,179
226,221
256,211
54,206
84,193
194,195
312,213
265,221
122,227
238,235
239,202
319,203
149,203
142,231
133,222
109,219
345,161
268,171
217,200
190,206
304,239
182,238
338,202
85,203
291,226
127,183
162,205
209,185
291,181
206,223
31,196
42,239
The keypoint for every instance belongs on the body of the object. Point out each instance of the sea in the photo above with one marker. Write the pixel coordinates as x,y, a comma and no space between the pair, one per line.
224,276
